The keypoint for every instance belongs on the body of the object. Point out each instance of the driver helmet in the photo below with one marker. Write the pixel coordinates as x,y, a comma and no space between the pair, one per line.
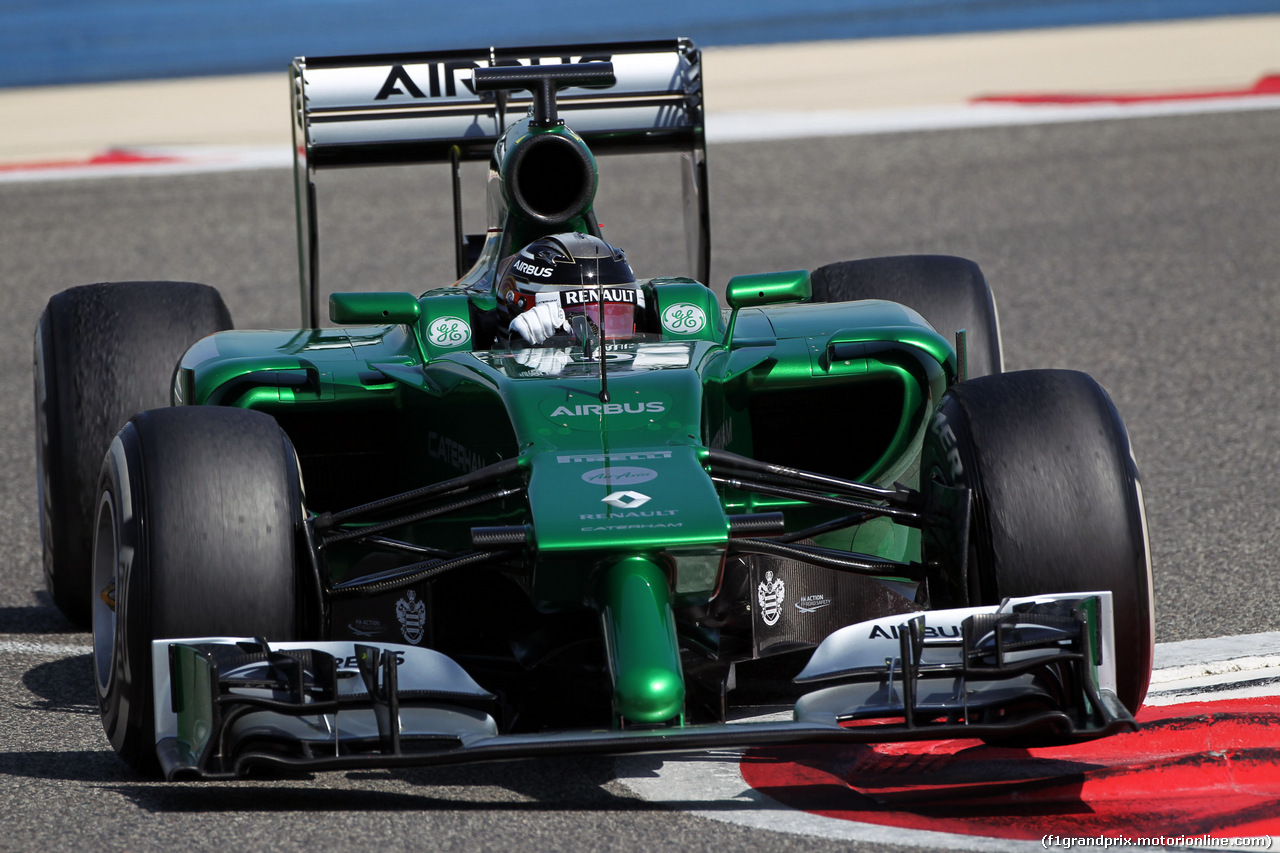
577,271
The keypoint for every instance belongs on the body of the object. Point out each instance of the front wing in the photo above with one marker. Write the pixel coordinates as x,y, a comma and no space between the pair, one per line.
1040,667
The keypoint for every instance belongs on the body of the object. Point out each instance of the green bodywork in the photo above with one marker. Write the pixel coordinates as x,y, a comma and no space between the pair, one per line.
455,410
623,517
586,547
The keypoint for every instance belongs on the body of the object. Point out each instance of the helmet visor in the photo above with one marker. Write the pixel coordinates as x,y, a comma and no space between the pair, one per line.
620,305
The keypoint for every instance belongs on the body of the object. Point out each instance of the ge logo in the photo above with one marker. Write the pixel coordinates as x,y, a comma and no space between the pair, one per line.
448,332
683,318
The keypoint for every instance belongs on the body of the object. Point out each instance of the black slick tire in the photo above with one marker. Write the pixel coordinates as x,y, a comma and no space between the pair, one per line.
951,293
1056,501
102,353
195,535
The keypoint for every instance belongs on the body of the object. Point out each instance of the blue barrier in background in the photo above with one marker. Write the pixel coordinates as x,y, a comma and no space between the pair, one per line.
66,41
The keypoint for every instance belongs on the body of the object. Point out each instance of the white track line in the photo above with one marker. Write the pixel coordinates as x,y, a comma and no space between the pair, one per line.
716,781
20,647
183,160
711,785
752,126
722,127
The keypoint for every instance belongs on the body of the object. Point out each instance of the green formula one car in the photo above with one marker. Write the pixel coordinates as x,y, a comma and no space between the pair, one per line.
554,508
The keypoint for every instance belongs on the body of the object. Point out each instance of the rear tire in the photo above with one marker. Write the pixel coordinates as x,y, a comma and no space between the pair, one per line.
1057,502
951,293
102,353
196,535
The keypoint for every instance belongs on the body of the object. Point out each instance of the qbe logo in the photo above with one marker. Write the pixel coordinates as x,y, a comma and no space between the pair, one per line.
771,593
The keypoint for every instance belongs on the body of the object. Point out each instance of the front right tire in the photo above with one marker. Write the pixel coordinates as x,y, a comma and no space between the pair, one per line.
196,535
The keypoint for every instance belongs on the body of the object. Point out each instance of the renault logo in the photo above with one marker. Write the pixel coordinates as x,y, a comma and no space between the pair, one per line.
626,500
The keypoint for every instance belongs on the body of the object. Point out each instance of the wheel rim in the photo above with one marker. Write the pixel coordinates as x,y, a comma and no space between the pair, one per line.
106,560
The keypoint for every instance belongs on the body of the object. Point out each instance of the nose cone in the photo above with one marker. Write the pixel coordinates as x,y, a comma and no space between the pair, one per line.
649,695
640,638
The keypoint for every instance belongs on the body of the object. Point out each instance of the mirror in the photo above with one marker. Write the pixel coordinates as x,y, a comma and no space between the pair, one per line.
377,307
769,288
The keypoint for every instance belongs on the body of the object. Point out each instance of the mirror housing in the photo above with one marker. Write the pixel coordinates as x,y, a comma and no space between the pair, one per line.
374,308
768,288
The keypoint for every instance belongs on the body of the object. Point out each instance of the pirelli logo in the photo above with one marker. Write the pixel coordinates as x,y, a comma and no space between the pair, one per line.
617,457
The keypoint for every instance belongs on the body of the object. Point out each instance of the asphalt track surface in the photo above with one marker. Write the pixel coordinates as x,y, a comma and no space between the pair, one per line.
1141,251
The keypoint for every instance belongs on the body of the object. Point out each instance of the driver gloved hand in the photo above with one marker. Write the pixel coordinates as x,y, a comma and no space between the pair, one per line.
540,322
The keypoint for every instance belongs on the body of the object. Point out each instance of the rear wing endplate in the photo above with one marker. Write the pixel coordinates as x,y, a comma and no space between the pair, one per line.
417,108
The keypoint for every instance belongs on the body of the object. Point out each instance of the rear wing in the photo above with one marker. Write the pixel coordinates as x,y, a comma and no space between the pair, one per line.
417,108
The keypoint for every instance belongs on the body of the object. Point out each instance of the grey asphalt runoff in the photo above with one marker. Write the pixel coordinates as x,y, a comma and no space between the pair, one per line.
1140,251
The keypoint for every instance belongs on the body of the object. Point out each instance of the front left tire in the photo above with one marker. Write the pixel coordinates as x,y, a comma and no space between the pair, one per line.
1056,502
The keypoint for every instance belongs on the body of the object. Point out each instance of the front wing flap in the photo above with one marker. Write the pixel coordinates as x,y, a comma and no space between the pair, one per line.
1040,667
